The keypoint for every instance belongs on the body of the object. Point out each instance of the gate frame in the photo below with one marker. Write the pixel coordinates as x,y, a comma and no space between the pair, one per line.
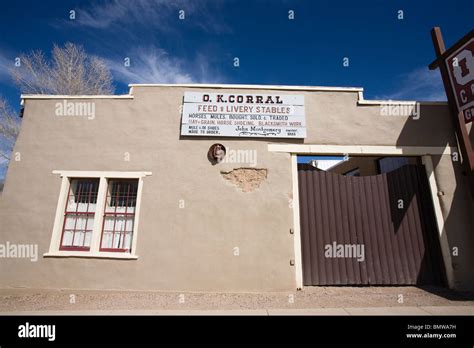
425,152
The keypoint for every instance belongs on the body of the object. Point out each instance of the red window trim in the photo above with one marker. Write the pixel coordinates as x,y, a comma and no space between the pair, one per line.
115,214
66,213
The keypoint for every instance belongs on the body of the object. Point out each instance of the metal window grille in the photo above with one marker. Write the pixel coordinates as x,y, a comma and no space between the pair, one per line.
119,215
79,214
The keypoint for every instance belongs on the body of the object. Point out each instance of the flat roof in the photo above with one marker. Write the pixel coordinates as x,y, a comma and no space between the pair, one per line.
359,90
238,86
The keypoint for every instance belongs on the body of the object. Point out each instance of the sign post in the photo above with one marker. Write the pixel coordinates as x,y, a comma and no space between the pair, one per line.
457,71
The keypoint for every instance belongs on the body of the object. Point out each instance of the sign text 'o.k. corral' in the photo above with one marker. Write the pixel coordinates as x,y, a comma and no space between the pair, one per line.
243,115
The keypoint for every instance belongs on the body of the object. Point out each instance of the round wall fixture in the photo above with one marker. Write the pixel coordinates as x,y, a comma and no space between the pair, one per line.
216,153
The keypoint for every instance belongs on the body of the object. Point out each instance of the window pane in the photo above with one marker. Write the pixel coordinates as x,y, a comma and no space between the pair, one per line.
122,196
83,195
79,214
118,230
78,239
119,215
67,237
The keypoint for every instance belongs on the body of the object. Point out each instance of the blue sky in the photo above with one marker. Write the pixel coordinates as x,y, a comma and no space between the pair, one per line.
387,56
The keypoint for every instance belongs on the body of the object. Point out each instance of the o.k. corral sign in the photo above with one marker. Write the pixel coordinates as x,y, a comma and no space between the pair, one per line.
456,65
243,115
461,74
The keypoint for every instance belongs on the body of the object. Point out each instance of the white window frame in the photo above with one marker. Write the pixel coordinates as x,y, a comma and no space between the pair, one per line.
94,251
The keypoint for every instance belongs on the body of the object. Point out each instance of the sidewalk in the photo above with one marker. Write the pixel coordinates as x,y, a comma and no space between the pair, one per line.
423,310
309,301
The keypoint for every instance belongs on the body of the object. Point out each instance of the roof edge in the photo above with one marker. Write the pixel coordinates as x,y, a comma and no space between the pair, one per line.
65,96
362,101
359,90
239,86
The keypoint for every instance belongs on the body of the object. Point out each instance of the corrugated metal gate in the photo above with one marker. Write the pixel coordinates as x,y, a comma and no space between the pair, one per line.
343,215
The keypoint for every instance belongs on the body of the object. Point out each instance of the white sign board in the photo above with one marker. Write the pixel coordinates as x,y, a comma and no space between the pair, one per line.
243,115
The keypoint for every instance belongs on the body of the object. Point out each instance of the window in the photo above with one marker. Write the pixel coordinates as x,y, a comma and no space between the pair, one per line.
119,215
79,214
97,214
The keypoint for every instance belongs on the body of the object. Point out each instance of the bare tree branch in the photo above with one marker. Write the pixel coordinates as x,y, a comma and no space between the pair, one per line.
71,71
9,129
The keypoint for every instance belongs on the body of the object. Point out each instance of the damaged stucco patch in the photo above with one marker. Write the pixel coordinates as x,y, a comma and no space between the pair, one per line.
247,179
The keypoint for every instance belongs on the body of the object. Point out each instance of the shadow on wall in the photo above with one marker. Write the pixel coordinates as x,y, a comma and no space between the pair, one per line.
458,205
413,219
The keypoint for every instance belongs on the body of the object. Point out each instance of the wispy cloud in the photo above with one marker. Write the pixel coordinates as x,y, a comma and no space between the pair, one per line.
152,14
6,65
149,66
154,65
140,22
420,84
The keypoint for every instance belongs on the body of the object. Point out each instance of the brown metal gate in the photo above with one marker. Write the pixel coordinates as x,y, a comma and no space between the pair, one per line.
342,213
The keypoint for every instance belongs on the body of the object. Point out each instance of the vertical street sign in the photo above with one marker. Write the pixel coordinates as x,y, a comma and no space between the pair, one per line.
460,65
456,65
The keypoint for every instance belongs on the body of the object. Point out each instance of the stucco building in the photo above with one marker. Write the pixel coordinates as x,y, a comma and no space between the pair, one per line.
123,192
